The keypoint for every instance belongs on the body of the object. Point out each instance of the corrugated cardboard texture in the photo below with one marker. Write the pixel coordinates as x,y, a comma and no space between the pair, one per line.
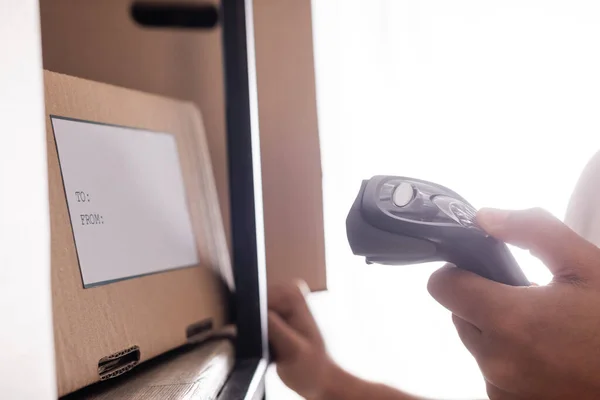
151,312
98,40
291,158
196,373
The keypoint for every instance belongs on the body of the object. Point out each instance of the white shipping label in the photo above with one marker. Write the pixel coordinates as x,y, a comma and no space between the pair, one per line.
126,200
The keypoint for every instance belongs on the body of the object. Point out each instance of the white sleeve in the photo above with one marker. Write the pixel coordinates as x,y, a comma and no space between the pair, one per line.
583,211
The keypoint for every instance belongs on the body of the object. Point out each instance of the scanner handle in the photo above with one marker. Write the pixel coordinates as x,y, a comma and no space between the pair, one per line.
490,259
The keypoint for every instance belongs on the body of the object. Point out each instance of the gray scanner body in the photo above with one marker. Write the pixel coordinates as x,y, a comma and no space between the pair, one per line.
398,220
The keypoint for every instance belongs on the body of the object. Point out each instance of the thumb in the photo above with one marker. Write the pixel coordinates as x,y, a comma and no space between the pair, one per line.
564,252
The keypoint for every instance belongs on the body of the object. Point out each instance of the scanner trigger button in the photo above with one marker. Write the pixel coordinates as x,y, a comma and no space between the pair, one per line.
403,194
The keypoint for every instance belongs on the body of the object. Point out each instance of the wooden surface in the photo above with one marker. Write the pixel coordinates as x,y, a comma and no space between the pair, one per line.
151,312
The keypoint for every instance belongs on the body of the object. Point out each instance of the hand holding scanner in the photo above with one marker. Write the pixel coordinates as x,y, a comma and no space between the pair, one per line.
399,221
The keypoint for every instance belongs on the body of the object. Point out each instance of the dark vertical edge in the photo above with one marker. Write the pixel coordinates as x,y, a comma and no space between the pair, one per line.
245,186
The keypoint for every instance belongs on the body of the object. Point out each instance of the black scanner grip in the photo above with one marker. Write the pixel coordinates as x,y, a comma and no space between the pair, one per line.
489,258
418,232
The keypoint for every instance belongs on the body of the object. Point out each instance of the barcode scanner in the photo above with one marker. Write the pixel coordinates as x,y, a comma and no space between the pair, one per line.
400,221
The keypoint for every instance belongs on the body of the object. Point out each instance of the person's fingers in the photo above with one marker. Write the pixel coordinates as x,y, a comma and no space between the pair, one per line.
469,334
289,302
285,342
471,297
560,248
286,298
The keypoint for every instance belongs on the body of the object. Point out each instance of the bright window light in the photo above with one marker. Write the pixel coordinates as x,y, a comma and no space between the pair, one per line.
498,100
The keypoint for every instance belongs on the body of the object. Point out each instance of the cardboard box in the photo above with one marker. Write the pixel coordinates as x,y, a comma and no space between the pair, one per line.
99,41
136,319
289,138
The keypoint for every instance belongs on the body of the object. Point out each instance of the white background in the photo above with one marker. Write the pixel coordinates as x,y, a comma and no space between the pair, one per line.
26,340
498,100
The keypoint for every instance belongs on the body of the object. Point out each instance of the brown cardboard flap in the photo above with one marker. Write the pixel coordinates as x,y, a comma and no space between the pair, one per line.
290,148
150,312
